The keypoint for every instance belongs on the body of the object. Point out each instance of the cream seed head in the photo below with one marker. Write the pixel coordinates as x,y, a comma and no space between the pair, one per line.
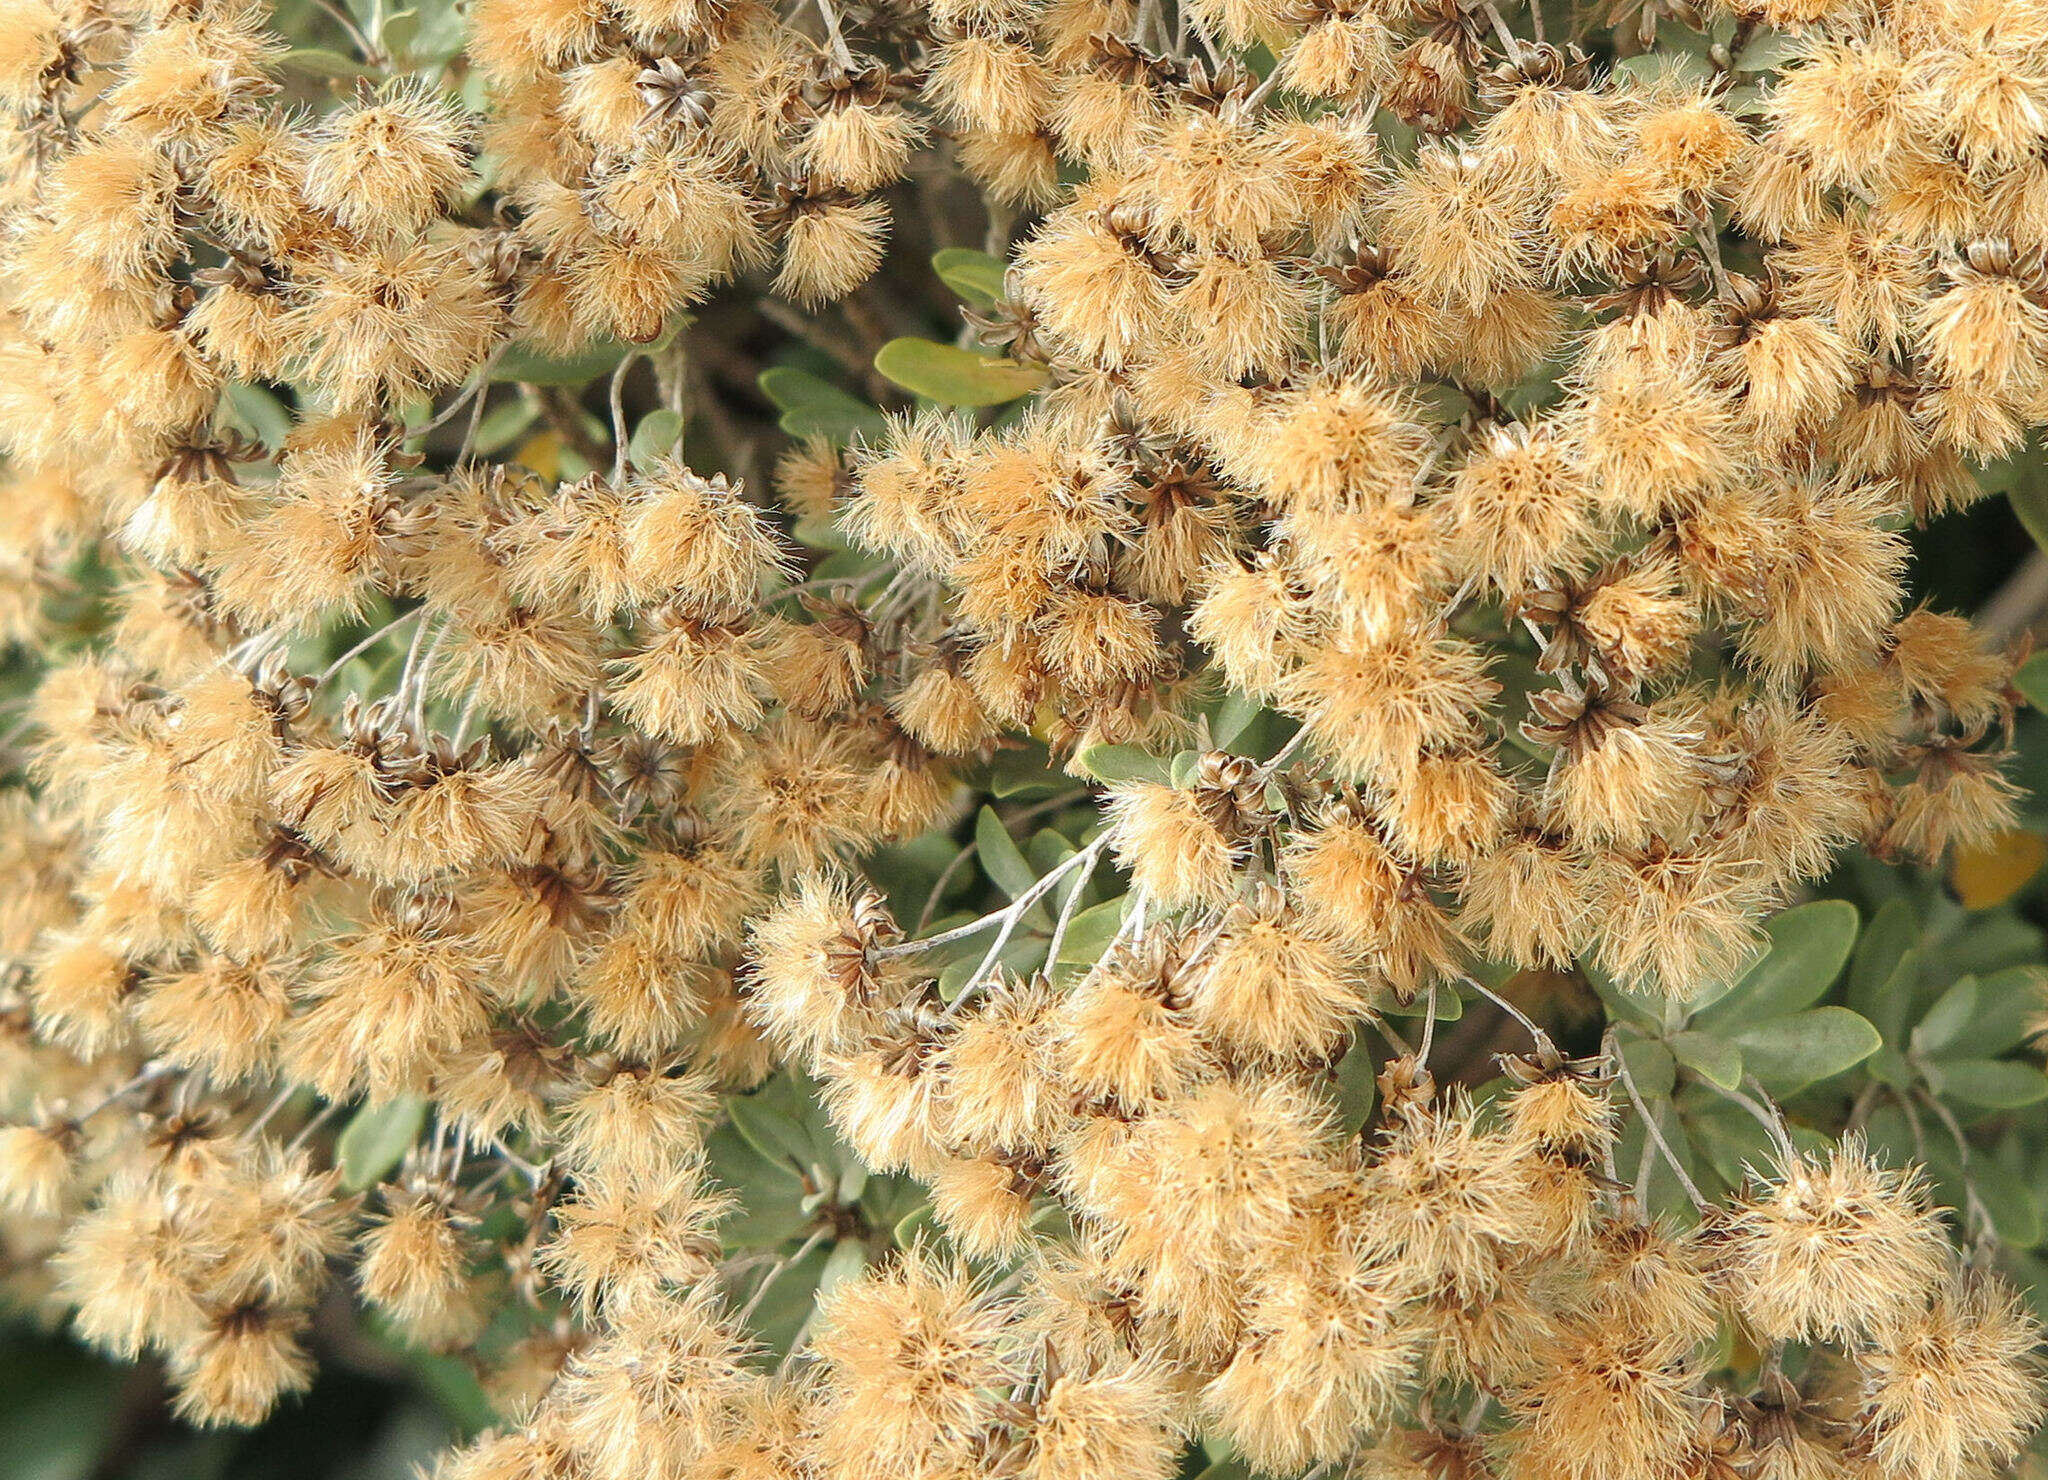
1041,739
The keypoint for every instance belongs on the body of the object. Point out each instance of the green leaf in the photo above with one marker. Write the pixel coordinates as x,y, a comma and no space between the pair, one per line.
655,438
1047,850
912,1225
319,62
1115,763
441,34
788,1303
1090,932
376,1139
503,425
400,29
975,276
1649,1065
1946,1021
1666,61
2031,679
1713,1059
2009,1004
812,407
452,1383
1232,718
2015,1214
259,412
906,871
848,1258
770,1192
1449,1006
2029,500
1888,1066
772,1132
1809,946
1883,969
1022,953
61,1409
1992,941
1768,51
1992,1084
1883,943
1001,859
531,367
1023,772
2010,1203
1637,1009
1356,1087
1786,1054
1728,1137
953,376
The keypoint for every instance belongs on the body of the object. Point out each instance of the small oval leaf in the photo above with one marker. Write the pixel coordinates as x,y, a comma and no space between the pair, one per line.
655,438
1788,1053
2031,679
1946,1021
1713,1059
1992,1084
1001,859
1090,932
812,407
975,276
1809,946
531,367
1115,763
953,376
376,1140
779,1139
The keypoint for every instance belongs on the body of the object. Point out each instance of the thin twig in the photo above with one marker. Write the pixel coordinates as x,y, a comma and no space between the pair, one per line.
841,53
1064,919
1509,41
1010,918
1770,1120
469,433
419,679
462,724
470,392
1285,752
342,662
2019,603
1507,1007
960,859
1708,235
776,1269
618,405
277,1103
320,1117
536,1174
1650,1126
1987,1230
1257,95
372,53
148,1074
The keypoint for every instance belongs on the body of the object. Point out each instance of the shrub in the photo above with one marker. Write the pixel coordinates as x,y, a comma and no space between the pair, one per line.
1242,864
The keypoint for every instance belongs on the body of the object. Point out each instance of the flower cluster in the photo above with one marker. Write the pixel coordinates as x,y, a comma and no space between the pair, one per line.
1456,540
